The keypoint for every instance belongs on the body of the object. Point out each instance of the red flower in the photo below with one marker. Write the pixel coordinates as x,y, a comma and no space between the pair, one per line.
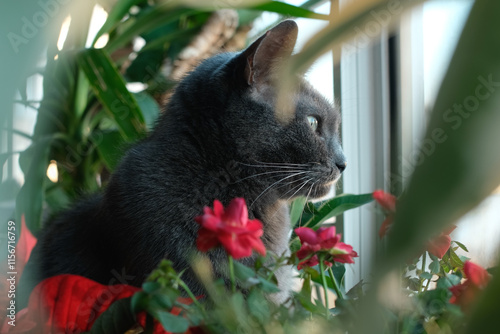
465,293
388,203
230,228
440,244
324,241
437,246
386,225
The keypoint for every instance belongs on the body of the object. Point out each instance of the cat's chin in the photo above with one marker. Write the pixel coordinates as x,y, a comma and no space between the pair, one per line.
321,190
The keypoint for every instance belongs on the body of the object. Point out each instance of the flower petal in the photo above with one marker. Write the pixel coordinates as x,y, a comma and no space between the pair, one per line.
386,225
313,261
218,209
439,245
325,233
206,240
476,274
307,235
236,212
235,247
385,200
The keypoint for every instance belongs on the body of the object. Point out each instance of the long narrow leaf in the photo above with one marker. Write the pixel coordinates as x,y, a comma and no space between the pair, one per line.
115,15
110,146
29,200
110,89
337,206
296,209
289,10
157,17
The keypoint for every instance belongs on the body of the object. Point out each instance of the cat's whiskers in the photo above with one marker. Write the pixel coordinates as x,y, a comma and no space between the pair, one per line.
267,173
281,163
270,187
307,198
289,198
276,166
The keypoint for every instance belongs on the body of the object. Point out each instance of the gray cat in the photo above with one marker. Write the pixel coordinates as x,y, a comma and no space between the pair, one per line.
218,138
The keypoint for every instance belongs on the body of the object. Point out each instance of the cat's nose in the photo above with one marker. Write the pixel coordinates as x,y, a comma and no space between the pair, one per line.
341,165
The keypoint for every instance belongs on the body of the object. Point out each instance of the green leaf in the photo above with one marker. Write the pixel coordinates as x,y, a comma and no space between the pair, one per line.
110,89
163,301
110,146
306,303
243,272
425,275
258,306
267,286
337,206
461,245
339,273
296,209
30,198
455,260
139,301
289,10
164,298
435,267
156,17
171,323
81,95
117,319
176,35
151,287
149,107
118,11
57,198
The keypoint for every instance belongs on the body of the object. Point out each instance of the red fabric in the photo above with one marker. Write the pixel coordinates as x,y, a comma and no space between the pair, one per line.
71,304
230,228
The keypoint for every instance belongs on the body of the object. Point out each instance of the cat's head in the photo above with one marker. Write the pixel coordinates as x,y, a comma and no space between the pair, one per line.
230,101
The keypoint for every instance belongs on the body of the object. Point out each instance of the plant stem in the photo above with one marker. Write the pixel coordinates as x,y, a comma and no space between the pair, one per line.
336,285
424,258
325,287
427,285
192,296
231,274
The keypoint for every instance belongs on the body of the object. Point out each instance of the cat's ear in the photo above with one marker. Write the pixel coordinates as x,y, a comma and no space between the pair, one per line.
268,52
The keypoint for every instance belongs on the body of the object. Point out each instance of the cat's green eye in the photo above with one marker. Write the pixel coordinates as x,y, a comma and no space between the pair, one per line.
313,122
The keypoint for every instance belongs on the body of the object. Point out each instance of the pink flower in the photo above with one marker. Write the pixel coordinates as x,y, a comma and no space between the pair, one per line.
465,293
324,241
230,228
